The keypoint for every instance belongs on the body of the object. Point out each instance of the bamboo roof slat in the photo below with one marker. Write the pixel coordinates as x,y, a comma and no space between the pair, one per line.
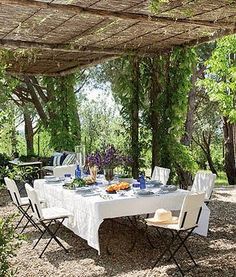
67,34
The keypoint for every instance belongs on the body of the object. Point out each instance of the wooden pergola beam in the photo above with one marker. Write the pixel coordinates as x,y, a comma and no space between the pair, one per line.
112,14
67,48
209,38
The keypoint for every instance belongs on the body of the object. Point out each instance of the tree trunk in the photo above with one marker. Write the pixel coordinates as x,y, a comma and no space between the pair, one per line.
210,161
36,101
29,133
185,177
135,116
229,141
154,115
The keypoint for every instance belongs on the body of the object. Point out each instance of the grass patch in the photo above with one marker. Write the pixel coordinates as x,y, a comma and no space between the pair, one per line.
221,180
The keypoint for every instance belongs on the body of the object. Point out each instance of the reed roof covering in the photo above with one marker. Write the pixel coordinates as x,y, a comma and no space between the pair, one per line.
66,34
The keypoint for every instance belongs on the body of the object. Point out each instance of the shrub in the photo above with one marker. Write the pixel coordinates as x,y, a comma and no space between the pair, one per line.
9,242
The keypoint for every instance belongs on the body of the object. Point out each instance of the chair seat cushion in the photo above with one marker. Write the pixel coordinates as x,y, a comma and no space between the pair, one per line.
167,226
54,213
24,201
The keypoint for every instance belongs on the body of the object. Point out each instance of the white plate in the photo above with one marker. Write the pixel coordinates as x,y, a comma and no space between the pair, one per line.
53,180
144,193
90,194
49,177
84,190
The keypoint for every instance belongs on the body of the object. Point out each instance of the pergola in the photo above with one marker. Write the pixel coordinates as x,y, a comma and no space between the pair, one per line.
63,35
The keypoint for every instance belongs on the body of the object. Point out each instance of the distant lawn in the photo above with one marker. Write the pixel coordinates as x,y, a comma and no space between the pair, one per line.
221,180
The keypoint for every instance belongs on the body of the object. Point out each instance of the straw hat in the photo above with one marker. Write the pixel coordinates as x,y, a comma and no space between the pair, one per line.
163,216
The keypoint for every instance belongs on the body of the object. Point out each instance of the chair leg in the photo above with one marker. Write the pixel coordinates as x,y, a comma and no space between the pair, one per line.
23,212
184,245
167,247
28,217
42,234
172,253
53,236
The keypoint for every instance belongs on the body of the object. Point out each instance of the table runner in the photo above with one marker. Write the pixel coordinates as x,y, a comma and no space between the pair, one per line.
89,212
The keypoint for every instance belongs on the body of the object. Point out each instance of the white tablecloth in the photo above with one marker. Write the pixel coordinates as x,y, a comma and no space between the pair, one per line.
89,212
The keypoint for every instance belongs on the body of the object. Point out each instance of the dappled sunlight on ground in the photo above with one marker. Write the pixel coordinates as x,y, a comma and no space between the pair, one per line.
216,254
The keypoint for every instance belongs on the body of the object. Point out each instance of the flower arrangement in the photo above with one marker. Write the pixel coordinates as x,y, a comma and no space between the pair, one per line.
110,158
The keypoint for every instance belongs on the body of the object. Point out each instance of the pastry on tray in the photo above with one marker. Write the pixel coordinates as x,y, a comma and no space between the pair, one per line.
116,187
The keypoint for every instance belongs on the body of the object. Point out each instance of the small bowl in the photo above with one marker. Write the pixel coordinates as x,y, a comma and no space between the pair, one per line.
126,180
49,177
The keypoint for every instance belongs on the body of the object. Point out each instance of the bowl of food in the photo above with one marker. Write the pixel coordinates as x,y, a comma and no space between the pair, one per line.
117,187
75,184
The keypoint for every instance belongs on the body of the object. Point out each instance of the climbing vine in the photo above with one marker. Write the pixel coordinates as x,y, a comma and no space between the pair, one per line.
64,121
174,108
171,78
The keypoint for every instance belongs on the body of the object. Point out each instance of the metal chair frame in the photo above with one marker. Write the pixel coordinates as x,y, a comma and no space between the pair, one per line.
176,236
46,223
24,213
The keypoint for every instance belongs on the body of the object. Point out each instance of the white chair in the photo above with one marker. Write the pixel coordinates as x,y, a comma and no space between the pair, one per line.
204,182
161,174
22,203
60,171
186,222
46,216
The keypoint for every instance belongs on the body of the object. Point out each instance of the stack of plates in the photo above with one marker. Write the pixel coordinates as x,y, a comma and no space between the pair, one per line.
168,188
84,190
153,184
144,192
52,180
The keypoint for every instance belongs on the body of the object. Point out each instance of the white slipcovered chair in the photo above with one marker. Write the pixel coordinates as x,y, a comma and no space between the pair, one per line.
46,216
185,224
60,171
22,203
161,174
204,182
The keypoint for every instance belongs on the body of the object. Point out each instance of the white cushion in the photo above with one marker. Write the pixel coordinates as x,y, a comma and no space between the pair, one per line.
70,159
60,171
57,159
54,213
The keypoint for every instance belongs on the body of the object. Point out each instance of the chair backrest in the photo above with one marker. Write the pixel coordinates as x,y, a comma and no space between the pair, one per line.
13,190
161,174
204,182
34,201
191,210
60,171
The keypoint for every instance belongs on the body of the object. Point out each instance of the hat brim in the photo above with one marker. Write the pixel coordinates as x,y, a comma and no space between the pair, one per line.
173,220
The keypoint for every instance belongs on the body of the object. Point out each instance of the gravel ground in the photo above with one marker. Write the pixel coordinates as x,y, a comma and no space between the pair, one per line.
216,254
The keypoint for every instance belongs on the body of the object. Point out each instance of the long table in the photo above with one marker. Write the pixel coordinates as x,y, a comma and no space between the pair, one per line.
89,212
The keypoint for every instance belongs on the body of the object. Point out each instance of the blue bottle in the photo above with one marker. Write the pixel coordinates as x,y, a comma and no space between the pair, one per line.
142,182
78,172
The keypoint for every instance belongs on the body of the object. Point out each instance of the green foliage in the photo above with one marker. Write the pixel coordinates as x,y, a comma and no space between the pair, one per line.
175,70
119,74
100,125
21,174
220,81
4,159
9,242
64,124
42,143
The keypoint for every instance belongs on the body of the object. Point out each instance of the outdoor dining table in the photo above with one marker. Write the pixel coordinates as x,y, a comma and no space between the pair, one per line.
90,211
